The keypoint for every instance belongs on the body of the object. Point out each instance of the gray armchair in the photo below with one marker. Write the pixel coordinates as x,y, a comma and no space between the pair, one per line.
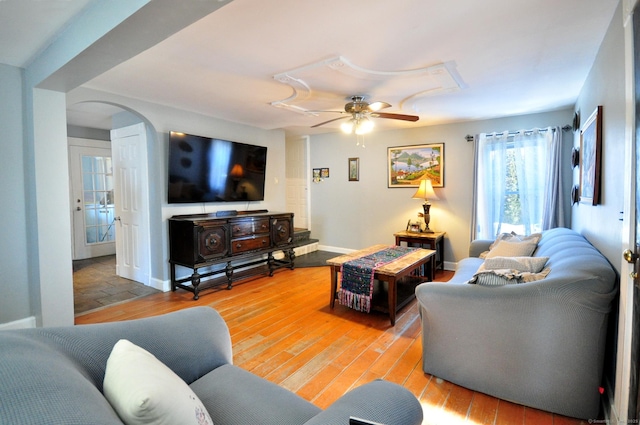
55,376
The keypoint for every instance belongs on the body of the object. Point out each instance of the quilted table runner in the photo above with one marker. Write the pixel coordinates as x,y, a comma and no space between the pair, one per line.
356,282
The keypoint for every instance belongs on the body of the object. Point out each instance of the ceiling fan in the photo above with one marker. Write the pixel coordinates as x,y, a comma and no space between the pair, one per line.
359,112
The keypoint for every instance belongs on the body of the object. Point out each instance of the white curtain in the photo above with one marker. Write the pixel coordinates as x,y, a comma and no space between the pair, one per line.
536,158
554,196
490,183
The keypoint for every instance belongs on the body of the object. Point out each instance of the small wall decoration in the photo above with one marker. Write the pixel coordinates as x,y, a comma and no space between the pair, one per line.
407,165
575,157
324,173
590,152
316,175
354,169
575,194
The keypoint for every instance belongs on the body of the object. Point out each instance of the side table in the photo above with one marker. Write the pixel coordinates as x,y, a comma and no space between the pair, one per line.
433,241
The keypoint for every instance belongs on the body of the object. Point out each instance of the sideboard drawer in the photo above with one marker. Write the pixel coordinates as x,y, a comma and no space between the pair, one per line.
249,227
250,244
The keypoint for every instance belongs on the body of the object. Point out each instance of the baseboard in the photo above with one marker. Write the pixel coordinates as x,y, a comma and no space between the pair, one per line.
160,285
451,266
336,249
27,322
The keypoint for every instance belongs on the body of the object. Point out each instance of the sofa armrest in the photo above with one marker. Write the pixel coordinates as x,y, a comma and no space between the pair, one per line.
378,401
479,246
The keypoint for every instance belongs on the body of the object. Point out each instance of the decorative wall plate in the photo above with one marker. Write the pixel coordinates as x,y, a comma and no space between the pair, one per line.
575,194
575,157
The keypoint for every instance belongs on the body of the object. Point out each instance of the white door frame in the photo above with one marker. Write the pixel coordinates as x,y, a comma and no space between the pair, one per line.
625,317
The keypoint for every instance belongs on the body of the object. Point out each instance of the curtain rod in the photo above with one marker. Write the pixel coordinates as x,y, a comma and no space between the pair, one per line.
470,138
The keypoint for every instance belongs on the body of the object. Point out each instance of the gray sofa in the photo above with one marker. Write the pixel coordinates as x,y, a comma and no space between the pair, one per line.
55,376
540,344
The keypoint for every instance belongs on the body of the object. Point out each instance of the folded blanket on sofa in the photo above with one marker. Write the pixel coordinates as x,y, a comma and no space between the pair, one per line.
498,271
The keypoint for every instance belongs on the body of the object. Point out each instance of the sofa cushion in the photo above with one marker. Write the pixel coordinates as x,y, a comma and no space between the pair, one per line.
514,237
143,390
513,249
534,238
521,264
234,396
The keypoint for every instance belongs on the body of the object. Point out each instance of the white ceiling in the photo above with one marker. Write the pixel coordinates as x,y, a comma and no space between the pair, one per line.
479,59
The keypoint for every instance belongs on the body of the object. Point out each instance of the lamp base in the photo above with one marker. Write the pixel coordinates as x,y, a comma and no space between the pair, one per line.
427,218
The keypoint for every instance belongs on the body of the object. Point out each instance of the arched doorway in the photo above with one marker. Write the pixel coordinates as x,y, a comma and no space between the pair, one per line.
107,259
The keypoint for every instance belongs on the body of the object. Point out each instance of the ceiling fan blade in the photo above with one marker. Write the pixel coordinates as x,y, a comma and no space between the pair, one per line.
395,116
327,122
324,111
376,106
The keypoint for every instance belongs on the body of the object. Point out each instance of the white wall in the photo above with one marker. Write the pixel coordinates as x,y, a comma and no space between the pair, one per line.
51,178
14,304
605,86
601,224
82,51
352,215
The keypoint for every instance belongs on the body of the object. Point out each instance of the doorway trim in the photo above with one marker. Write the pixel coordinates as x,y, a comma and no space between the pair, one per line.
622,392
152,139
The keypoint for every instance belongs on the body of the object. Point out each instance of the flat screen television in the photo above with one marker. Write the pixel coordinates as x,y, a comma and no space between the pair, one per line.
204,169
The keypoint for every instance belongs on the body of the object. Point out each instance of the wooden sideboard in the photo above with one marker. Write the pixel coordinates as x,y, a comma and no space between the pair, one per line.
232,245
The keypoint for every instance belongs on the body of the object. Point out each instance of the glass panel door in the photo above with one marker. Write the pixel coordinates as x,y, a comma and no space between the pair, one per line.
97,184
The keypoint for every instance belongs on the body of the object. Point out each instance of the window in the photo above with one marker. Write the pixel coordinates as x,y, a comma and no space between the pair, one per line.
516,181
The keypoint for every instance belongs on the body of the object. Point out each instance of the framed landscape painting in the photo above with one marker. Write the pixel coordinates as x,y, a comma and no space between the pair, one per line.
407,165
590,151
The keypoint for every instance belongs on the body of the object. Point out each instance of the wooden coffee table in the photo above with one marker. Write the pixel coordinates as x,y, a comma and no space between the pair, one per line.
402,276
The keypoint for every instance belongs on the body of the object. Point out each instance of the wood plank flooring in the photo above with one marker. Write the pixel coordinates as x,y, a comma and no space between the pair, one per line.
283,330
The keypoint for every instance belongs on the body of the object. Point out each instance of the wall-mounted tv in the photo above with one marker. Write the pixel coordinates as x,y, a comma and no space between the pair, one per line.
204,169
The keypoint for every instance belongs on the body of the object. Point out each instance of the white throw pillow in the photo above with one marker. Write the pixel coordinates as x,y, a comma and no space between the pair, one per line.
512,237
143,390
521,264
506,248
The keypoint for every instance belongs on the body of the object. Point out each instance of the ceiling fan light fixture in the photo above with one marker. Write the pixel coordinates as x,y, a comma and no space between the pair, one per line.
364,126
347,126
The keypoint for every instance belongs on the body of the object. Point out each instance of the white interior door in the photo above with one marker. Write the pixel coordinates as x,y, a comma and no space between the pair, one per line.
131,182
297,164
92,208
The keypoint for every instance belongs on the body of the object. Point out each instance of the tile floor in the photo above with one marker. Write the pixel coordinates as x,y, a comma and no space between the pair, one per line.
95,284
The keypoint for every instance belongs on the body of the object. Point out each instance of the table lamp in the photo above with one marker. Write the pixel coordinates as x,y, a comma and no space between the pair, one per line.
425,191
